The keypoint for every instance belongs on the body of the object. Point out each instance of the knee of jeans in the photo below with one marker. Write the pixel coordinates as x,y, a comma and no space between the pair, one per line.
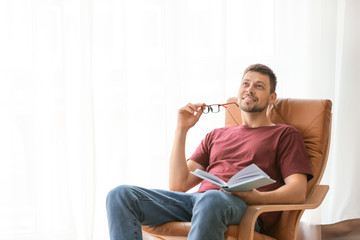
118,194
212,199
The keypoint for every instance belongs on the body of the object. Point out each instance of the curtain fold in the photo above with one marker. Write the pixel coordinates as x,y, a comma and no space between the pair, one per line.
89,92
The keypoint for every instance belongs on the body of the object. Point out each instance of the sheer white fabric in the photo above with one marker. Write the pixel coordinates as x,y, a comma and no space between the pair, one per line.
89,91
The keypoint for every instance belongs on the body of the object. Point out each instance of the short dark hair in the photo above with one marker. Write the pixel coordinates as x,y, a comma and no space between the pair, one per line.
263,69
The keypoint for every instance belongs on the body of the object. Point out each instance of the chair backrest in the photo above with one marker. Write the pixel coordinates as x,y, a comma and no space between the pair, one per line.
313,119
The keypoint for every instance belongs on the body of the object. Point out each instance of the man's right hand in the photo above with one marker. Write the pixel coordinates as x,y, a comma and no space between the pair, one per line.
189,115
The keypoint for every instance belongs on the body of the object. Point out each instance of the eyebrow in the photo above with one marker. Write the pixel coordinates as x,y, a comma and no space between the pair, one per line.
248,80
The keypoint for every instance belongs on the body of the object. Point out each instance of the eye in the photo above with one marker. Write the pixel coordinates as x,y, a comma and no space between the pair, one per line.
260,86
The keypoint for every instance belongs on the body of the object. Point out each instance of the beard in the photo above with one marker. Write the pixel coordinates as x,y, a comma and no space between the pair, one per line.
253,109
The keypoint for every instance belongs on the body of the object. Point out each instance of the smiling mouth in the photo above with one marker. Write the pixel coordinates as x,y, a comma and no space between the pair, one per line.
249,99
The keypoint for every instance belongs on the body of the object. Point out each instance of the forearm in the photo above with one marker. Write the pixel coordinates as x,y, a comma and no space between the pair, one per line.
285,194
294,191
178,170
179,179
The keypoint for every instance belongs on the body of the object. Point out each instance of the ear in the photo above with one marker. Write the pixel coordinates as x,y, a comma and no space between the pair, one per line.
272,98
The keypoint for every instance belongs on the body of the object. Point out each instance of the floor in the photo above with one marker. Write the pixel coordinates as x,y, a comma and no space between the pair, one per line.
346,230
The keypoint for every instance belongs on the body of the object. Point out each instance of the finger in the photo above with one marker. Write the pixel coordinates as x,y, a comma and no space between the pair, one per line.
186,108
192,108
199,107
224,191
198,113
200,110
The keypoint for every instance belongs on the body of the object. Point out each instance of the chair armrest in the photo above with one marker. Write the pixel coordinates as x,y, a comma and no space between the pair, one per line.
247,224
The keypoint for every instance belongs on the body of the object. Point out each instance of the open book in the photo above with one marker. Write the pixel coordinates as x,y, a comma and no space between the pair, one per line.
245,180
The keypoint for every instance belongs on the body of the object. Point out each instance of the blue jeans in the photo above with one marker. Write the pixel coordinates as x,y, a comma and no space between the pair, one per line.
129,207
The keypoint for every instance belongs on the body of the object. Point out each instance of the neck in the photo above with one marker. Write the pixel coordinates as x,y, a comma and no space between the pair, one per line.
257,119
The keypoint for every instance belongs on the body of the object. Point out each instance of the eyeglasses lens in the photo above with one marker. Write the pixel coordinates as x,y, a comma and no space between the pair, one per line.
205,109
215,108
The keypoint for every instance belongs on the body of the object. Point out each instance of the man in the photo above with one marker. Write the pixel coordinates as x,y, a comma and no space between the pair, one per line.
277,149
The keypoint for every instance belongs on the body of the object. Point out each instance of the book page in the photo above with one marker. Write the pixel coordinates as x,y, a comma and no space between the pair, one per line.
247,174
247,186
210,177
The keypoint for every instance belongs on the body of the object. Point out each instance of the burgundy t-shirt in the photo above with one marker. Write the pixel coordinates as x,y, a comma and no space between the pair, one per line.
278,150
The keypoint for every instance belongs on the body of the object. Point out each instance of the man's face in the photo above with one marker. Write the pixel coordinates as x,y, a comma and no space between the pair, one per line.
254,93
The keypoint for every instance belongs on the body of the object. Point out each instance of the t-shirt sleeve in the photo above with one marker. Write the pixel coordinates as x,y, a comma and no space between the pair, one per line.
292,155
202,152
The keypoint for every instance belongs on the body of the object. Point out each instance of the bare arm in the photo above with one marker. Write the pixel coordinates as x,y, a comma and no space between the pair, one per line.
180,178
294,191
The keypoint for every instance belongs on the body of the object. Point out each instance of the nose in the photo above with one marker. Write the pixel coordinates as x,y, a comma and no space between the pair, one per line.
250,88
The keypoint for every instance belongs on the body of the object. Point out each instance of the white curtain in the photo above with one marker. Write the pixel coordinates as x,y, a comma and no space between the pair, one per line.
344,196
89,91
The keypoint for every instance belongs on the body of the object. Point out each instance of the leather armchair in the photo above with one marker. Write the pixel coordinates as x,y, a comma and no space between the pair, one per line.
313,119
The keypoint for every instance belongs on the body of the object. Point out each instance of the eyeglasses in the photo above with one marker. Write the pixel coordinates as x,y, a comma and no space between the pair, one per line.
215,108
